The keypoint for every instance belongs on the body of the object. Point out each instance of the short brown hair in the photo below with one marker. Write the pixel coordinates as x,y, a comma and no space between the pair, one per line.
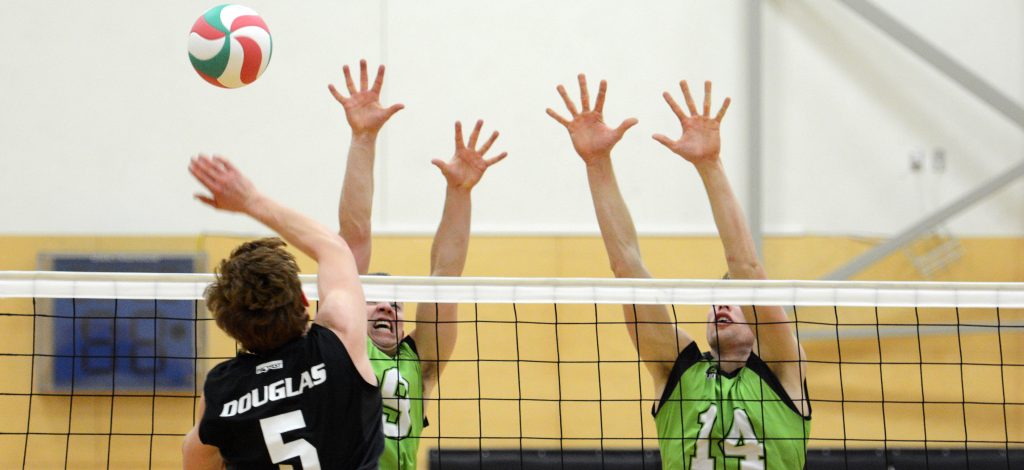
257,297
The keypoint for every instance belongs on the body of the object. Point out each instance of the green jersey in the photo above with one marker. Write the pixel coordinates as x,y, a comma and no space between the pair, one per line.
401,389
709,420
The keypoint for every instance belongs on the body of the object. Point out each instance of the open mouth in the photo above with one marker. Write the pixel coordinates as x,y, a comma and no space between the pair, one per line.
384,325
723,319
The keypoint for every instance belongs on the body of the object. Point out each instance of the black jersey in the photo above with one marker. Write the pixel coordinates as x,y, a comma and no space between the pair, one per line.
304,405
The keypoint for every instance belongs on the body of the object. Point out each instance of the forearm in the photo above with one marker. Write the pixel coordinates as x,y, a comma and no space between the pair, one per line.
617,229
356,204
437,330
451,242
304,233
340,292
740,252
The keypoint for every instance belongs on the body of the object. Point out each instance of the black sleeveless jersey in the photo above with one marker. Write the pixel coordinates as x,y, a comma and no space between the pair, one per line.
303,405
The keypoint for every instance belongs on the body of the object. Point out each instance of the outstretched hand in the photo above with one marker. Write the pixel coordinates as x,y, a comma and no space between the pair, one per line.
468,164
231,190
591,137
700,142
362,107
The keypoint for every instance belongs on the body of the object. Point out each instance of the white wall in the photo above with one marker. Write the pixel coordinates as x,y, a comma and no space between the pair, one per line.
101,110
846,106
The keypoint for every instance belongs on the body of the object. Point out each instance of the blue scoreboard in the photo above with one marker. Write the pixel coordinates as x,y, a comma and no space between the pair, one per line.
124,345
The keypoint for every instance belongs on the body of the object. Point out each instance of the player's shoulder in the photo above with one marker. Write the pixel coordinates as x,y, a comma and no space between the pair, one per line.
324,339
761,374
408,347
230,368
688,357
692,366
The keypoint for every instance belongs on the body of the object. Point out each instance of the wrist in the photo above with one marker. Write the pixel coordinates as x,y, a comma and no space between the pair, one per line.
597,159
458,190
708,165
601,164
364,137
253,204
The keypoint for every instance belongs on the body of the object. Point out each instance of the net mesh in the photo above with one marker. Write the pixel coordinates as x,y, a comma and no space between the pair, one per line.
103,371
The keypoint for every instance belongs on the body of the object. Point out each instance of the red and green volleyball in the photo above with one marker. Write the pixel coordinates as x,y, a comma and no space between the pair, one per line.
229,46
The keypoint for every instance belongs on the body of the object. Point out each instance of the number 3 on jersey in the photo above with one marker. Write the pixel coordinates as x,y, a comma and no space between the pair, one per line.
274,426
394,390
740,442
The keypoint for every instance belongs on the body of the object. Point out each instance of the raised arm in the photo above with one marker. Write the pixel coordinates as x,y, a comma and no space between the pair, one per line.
342,305
436,330
365,117
651,328
700,145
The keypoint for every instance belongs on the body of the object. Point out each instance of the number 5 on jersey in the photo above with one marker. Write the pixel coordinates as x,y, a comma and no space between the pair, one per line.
274,426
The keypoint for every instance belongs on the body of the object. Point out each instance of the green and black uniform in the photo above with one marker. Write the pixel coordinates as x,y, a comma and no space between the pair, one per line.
710,420
401,389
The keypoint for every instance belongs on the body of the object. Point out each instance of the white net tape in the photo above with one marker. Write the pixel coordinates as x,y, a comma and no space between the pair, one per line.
36,284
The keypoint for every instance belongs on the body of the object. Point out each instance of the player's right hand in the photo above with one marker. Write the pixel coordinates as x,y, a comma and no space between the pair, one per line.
591,137
230,189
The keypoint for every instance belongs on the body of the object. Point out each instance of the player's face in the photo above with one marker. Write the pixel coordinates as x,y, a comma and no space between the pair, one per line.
386,325
728,329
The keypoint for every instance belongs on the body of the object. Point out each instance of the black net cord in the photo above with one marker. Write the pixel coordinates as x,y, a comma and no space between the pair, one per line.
437,355
682,416
639,384
31,386
558,375
881,385
195,361
519,385
152,408
757,340
920,370
113,382
71,397
1002,384
963,387
398,366
842,386
479,388
600,385
801,361
719,399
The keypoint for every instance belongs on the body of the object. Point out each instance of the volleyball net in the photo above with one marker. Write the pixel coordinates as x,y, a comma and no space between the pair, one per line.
105,370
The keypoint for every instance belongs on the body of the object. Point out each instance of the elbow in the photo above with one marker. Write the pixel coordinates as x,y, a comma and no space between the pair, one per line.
746,268
447,268
620,269
630,266
356,234
186,453
329,246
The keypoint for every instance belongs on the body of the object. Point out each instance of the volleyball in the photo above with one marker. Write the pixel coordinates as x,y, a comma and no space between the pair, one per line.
229,46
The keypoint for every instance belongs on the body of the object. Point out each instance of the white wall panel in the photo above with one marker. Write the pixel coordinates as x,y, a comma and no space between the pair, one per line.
101,111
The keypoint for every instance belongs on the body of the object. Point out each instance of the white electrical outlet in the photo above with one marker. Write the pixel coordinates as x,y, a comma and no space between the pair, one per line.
939,160
916,160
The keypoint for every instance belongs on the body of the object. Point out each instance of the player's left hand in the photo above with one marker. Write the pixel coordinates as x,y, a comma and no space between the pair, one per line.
362,107
230,189
700,142
468,164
